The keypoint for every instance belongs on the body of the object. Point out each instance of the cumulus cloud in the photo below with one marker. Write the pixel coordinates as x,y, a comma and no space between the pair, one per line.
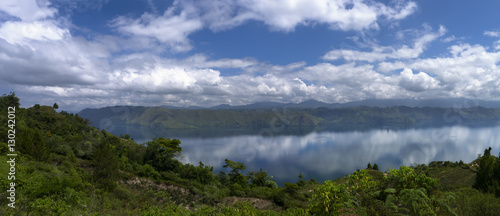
40,57
471,71
148,79
53,61
159,78
417,82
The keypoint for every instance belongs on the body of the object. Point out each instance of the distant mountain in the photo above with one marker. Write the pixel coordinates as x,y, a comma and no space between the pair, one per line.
313,104
245,117
443,103
258,105
186,108
198,118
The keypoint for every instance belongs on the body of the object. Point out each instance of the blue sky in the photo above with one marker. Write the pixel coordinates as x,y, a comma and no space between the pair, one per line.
193,52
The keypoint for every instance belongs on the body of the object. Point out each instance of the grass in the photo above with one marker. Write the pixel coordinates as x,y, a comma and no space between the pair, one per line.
454,178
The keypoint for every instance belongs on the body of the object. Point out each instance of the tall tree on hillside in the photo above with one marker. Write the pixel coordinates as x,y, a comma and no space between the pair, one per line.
484,178
260,178
235,176
105,165
9,100
30,142
161,153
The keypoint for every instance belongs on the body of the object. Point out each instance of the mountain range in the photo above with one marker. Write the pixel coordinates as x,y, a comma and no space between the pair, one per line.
306,114
312,104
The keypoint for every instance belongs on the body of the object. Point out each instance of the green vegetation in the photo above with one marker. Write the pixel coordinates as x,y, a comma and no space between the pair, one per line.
65,167
303,118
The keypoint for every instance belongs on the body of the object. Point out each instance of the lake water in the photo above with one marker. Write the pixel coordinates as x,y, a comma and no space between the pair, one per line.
327,154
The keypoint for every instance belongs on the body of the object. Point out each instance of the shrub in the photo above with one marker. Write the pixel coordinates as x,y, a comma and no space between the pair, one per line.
406,178
332,199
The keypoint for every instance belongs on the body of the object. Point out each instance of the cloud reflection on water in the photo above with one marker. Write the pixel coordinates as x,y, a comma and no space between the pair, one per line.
326,155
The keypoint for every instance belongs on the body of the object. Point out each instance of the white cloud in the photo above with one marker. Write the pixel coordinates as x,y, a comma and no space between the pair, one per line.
170,29
41,53
39,56
449,39
285,15
17,32
470,72
417,82
201,60
401,11
148,79
492,33
380,53
162,79
28,10
496,45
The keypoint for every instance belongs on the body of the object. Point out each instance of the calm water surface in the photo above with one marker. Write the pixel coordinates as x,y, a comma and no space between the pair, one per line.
326,155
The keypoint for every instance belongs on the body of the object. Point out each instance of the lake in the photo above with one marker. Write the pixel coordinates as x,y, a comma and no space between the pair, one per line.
325,154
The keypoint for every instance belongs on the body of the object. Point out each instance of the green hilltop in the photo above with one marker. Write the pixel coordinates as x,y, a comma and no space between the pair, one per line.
65,167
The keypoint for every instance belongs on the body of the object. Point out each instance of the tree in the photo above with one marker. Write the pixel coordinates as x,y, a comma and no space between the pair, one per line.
235,166
223,178
375,166
235,177
161,153
9,100
496,176
331,198
369,166
407,178
485,180
55,106
125,136
259,179
30,142
301,182
105,165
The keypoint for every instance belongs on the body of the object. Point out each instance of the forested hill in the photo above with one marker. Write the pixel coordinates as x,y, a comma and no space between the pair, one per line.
248,118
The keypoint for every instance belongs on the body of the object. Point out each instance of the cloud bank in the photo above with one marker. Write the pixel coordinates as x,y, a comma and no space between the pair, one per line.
148,60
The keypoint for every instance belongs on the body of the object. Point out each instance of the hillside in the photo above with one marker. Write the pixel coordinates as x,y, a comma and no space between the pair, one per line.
309,118
65,167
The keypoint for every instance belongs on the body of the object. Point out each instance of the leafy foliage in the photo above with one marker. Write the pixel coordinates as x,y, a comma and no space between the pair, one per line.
161,153
407,178
261,179
105,164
